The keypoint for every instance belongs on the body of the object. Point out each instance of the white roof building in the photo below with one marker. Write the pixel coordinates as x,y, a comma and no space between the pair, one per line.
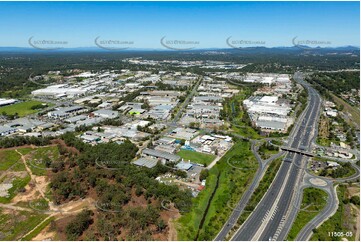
269,99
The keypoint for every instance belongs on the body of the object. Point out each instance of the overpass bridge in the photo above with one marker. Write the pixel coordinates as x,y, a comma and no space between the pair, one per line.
298,151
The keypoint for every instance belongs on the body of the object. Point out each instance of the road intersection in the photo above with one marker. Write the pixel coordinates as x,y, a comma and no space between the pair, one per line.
274,215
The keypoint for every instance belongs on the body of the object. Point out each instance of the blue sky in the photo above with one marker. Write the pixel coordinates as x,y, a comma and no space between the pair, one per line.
209,23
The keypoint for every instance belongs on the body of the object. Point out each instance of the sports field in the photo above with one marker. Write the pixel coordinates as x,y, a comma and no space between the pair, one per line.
21,109
196,157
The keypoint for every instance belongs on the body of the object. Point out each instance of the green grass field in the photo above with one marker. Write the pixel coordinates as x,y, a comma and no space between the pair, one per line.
196,157
313,201
14,225
22,109
36,231
38,156
8,158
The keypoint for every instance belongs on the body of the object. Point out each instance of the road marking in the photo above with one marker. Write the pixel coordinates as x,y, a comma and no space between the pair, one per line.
273,208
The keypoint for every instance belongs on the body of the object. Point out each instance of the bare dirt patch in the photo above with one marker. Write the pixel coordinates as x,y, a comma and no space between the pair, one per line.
353,191
45,234
318,182
42,183
324,127
357,224
30,194
172,230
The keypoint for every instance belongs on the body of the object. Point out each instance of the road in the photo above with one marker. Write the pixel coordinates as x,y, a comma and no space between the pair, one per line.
239,209
329,209
185,103
331,205
270,219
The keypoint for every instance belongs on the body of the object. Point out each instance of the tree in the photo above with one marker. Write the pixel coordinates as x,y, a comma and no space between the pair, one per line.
79,224
355,200
194,125
204,174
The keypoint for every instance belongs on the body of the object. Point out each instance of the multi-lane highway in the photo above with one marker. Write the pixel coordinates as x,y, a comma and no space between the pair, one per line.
263,165
271,219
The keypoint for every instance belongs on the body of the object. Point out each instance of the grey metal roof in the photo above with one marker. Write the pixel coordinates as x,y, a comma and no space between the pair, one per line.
106,112
184,166
161,154
271,124
5,129
147,162
76,118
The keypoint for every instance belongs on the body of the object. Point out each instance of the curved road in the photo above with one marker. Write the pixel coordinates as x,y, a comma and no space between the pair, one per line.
238,210
327,211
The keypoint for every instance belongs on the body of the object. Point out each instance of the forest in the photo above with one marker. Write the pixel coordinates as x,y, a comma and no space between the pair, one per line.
104,173
338,82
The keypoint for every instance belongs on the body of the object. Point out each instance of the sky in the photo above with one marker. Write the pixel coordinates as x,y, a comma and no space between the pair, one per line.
202,24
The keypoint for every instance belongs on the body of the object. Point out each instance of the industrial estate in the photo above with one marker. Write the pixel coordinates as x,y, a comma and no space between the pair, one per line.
214,144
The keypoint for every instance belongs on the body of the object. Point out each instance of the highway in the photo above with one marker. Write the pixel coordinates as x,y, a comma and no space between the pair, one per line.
263,165
271,218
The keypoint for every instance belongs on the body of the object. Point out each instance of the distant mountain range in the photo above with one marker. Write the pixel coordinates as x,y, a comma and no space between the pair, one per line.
227,50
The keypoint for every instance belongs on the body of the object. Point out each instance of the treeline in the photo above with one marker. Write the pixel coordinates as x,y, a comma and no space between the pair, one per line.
344,170
338,82
8,142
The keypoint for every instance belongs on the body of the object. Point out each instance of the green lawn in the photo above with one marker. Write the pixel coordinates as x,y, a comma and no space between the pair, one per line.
196,157
245,131
313,201
323,141
22,108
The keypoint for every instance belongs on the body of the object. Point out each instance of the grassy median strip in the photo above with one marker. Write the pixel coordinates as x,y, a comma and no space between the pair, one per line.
313,201
235,170
259,192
